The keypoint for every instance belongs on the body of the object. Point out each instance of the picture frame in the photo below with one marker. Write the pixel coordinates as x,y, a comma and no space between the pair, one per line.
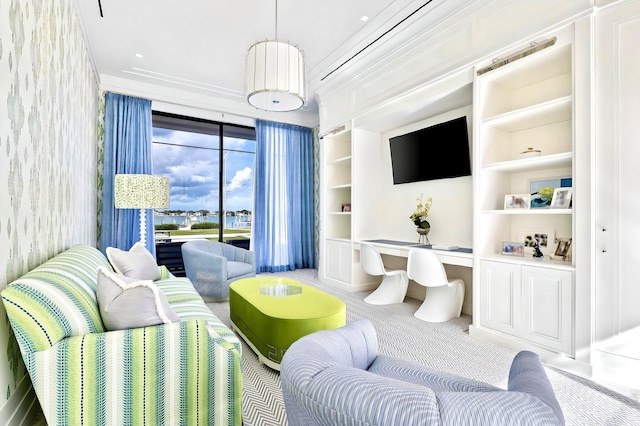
346,208
561,198
546,240
563,249
512,249
541,190
517,201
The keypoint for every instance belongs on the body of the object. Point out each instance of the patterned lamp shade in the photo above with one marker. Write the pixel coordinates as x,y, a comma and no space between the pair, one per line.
141,192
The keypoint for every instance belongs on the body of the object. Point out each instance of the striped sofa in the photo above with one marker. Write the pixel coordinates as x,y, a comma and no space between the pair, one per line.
337,377
183,373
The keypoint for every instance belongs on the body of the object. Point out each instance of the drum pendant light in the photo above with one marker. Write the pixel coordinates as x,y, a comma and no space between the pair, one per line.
275,76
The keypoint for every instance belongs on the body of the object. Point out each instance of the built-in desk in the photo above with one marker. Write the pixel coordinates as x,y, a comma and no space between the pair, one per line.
459,257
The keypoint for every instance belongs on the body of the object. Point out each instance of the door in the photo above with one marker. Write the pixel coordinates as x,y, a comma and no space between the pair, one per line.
500,295
547,307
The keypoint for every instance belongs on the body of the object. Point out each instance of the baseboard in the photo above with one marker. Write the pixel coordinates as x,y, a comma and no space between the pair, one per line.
553,359
21,407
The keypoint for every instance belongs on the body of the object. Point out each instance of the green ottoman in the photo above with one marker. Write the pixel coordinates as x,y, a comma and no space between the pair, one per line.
271,313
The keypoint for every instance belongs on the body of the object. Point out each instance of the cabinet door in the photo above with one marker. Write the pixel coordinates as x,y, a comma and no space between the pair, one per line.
500,296
547,307
338,264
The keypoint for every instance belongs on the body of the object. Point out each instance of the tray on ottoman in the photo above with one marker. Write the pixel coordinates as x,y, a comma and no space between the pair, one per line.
270,313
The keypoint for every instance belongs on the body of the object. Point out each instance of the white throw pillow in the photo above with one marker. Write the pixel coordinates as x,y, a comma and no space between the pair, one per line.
135,263
130,303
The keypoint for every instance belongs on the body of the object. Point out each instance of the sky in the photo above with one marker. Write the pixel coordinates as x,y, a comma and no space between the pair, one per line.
194,172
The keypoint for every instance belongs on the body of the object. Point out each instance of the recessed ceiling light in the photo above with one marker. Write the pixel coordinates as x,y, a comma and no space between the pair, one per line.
364,18
138,55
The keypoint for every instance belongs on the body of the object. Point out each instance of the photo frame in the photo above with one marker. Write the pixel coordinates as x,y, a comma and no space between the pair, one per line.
516,201
561,198
563,249
346,208
546,240
541,190
512,249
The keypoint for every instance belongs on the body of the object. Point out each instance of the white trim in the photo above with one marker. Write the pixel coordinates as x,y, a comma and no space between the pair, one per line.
22,406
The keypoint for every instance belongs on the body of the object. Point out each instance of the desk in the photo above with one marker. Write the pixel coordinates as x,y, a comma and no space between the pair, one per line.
459,257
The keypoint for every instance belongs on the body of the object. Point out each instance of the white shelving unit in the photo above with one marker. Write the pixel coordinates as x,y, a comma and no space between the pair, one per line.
335,260
528,103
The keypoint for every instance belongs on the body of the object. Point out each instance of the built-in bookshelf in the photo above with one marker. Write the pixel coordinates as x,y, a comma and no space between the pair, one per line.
524,138
337,183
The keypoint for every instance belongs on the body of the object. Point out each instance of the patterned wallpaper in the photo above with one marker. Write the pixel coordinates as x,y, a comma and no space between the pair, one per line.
48,146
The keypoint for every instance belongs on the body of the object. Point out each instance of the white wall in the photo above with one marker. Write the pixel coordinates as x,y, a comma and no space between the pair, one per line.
382,209
387,207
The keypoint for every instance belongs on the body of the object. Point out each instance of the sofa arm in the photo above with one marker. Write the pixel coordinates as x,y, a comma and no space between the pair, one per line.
527,375
165,273
166,374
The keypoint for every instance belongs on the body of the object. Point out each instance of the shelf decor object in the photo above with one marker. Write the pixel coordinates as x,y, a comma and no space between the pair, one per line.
138,191
542,190
512,249
516,201
561,198
419,218
563,249
275,76
530,152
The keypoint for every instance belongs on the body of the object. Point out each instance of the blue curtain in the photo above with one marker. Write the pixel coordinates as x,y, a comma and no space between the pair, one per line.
127,149
283,237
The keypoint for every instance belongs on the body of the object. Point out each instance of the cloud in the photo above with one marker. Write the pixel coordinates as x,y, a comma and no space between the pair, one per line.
241,177
194,172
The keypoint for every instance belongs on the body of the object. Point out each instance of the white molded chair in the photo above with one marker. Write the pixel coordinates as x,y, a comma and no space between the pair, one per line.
394,284
444,298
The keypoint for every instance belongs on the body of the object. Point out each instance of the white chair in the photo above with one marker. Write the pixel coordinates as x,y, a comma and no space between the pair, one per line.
394,284
444,298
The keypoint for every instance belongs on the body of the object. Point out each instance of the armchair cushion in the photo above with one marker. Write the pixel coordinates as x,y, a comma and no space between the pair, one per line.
135,263
129,303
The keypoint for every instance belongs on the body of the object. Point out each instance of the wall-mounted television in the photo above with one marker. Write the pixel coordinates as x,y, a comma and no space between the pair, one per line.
440,151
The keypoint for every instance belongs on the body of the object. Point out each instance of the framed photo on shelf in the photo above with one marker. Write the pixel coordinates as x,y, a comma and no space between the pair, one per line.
346,208
541,190
561,198
563,249
516,201
545,238
512,249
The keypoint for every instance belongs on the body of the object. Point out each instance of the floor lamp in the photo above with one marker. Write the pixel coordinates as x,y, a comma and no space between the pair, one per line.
141,192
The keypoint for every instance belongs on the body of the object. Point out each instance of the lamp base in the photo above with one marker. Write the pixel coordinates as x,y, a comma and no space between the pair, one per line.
143,227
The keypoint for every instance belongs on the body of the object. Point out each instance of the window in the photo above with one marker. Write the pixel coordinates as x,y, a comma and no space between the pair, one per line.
210,168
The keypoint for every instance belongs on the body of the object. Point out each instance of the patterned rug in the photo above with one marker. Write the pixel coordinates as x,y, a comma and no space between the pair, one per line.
447,347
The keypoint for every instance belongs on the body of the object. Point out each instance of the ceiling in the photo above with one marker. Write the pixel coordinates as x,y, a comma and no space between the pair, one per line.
200,45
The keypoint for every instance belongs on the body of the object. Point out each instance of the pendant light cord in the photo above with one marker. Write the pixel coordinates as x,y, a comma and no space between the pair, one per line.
276,20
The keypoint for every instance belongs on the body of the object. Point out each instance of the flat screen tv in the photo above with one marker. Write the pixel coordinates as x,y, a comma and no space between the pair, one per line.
437,152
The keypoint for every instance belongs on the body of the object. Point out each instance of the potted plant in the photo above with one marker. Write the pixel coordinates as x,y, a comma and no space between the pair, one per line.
419,217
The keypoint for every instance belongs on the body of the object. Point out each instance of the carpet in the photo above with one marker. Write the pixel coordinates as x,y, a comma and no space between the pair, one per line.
446,346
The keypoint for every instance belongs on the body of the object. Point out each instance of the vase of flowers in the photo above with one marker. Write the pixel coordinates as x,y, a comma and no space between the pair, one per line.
419,218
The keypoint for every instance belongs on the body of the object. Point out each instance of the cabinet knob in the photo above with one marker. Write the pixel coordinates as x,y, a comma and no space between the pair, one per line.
604,229
604,251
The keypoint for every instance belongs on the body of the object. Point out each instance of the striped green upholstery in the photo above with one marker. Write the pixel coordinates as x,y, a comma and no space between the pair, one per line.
56,300
185,373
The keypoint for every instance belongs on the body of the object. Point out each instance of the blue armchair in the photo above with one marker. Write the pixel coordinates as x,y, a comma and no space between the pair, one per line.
338,377
212,266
